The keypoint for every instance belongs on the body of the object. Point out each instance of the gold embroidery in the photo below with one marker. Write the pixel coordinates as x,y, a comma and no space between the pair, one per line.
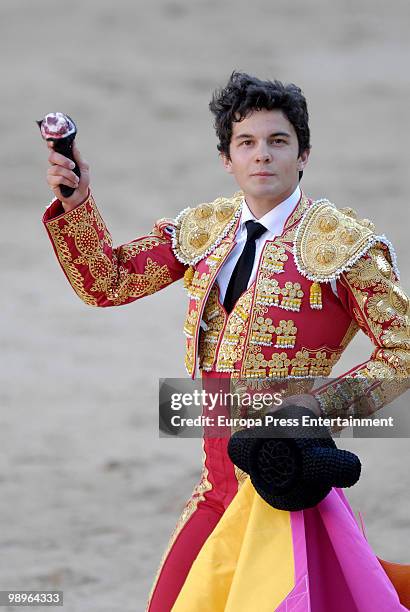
299,211
350,334
382,265
128,251
231,348
223,211
306,363
315,296
361,297
332,402
153,278
200,230
398,299
389,303
199,285
397,336
213,308
300,364
383,316
207,349
199,239
214,318
228,355
189,355
365,274
387,391
287,236
322,364
313,363
286,334
279,365
379,312
328,223
77,215
198,495
269,293
262,331
110,277
190,322
274,258
86,239
397,358
255,364
292,296
329,242
379,370
379,308
218,254
188,276
359,317
345,396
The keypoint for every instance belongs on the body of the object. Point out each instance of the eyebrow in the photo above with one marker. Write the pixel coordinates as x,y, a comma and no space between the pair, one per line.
239,136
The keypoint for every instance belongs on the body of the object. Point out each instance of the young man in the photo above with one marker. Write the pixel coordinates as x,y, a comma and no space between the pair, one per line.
278,286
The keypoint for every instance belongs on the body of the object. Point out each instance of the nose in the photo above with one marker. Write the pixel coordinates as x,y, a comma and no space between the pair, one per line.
263,154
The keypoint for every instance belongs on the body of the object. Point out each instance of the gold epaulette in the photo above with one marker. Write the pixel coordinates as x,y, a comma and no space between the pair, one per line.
329,241
199,230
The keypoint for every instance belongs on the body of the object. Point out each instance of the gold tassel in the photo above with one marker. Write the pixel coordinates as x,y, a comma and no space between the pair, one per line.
188,276
315,296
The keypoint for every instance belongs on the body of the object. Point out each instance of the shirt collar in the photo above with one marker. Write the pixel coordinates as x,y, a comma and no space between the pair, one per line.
275,219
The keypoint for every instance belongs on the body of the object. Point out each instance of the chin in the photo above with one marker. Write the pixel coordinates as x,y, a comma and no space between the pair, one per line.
266,192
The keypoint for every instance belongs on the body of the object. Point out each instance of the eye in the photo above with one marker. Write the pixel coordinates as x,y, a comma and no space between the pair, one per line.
278,141
246,142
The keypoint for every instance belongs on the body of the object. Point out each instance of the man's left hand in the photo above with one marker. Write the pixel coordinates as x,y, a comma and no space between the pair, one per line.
306,400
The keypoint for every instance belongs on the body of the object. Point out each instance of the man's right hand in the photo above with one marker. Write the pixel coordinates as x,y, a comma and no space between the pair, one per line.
61,172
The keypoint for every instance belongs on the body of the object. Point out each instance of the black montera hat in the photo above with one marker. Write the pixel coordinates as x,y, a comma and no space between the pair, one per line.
293,467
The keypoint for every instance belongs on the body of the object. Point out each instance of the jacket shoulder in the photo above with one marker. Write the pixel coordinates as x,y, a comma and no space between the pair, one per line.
199,230
330,240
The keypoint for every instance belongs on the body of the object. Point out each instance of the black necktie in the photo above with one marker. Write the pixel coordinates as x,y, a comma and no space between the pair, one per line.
238,282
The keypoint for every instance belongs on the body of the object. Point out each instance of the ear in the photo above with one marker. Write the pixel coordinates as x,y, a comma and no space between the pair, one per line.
303,160
227,163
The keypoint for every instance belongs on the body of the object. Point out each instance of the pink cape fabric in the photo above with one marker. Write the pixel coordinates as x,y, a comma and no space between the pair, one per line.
335,568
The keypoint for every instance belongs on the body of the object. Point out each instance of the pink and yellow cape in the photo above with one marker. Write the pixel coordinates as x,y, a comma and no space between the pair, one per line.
315,560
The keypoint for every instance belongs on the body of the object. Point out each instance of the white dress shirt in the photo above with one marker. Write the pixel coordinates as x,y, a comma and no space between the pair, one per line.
274,221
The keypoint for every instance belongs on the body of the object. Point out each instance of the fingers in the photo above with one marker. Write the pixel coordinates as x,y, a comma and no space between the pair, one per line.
81,163
55,158
59,175
60,172
61,161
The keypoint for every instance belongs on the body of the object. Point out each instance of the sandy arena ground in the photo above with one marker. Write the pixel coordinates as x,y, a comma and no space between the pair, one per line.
89,493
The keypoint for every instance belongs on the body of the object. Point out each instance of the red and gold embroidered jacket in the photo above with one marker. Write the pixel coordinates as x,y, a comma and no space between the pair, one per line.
289,323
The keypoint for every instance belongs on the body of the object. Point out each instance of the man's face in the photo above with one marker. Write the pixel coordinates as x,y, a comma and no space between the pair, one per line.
264,157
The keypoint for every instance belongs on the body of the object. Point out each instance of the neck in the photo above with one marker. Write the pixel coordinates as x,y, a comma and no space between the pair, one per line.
260,206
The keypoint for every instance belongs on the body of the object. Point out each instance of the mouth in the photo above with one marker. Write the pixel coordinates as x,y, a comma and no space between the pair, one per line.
262,174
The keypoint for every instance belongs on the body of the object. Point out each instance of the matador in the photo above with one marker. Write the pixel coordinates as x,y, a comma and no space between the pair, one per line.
278,285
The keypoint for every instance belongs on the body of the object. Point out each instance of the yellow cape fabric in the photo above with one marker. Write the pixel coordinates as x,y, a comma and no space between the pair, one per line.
246,563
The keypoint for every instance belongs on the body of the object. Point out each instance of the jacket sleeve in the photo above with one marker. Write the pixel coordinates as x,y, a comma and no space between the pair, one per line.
372,294
100,274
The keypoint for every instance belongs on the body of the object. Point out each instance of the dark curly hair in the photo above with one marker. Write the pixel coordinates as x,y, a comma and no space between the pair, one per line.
244,94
